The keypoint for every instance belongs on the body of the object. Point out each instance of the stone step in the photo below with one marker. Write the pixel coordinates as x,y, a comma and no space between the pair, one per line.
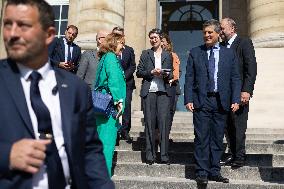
188,135
248,141
189,128
175,120
177,114
142,182
262,148
267,174
253,160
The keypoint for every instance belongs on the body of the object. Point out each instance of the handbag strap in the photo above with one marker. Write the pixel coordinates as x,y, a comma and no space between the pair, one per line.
98,79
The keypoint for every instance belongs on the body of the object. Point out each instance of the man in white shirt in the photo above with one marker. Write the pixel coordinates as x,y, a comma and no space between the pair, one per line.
48,137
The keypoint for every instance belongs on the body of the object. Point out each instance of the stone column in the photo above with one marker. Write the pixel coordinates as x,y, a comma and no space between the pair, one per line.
266,23
91,16
140,17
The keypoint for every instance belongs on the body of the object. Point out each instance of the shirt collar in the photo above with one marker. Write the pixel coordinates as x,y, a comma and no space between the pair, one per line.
232,39
216,46
26,71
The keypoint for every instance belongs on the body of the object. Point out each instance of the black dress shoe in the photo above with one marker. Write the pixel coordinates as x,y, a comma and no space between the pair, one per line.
237,164
201,180
166,162
125,136
219,178
150,162
226,161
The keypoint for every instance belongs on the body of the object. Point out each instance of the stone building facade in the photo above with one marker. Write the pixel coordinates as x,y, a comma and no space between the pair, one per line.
261,20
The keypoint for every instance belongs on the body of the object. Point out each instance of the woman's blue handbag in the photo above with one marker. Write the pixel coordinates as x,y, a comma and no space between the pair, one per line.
103,102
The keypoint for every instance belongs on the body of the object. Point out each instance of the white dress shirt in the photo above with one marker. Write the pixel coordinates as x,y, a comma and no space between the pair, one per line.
157,83
231,40
51,100
66,50
216,50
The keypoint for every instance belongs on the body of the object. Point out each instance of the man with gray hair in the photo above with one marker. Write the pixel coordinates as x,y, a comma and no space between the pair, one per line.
89,60
237,122
211,91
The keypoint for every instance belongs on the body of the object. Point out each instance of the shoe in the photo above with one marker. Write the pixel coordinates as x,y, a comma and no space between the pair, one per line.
237,164
219,178
226,161
150,162
166,162
125,136
202,180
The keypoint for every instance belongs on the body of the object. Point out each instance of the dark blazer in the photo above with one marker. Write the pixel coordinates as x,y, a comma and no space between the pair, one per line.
129,66
84,149
147,64
88,67
56,51
247,62
196,77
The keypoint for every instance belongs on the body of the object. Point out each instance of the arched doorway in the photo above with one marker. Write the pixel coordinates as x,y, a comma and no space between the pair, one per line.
183,20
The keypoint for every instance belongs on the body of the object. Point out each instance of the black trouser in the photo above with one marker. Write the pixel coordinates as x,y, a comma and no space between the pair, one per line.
126,117
156,110
236,133
209,124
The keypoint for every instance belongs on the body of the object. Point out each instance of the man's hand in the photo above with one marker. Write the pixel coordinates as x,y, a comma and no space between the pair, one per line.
189,107
245,96
65,65
156,72
235,107
28,155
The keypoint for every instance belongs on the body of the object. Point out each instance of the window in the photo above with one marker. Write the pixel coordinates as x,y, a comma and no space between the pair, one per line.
60,8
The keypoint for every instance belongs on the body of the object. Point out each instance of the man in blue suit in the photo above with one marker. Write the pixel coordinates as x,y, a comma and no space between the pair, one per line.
128,64
48,137
212,88
65,52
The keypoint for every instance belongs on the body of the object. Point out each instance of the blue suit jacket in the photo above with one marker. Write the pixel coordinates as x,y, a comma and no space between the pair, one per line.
196,77
56,51
129,66
84,149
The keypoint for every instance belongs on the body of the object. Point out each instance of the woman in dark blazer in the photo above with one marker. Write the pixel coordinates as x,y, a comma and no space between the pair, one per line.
155,67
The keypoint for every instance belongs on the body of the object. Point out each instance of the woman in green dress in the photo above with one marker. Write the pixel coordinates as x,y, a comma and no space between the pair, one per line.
110,76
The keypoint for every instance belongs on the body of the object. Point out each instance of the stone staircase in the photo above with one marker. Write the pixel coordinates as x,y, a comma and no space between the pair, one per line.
264,167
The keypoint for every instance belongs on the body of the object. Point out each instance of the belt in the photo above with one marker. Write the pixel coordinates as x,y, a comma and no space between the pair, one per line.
212,94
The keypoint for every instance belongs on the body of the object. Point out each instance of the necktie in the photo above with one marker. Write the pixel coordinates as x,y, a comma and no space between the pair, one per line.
56,179
69,52
211,69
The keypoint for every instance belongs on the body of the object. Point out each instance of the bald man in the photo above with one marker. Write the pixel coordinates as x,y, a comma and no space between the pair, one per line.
89,59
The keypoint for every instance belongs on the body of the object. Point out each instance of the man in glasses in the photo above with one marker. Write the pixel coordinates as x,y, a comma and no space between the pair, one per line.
89,60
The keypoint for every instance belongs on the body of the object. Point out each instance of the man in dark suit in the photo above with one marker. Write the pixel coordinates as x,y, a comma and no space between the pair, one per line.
65,52
212,88
89,60
128,64
237,122
48,137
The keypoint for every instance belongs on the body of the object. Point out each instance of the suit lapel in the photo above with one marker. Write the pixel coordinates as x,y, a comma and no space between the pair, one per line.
62,46
235,43
151,54
204,56
11,76
66,104
163,57
221,62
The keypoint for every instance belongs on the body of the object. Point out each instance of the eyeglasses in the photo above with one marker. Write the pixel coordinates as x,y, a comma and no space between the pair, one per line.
120,42
99,38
